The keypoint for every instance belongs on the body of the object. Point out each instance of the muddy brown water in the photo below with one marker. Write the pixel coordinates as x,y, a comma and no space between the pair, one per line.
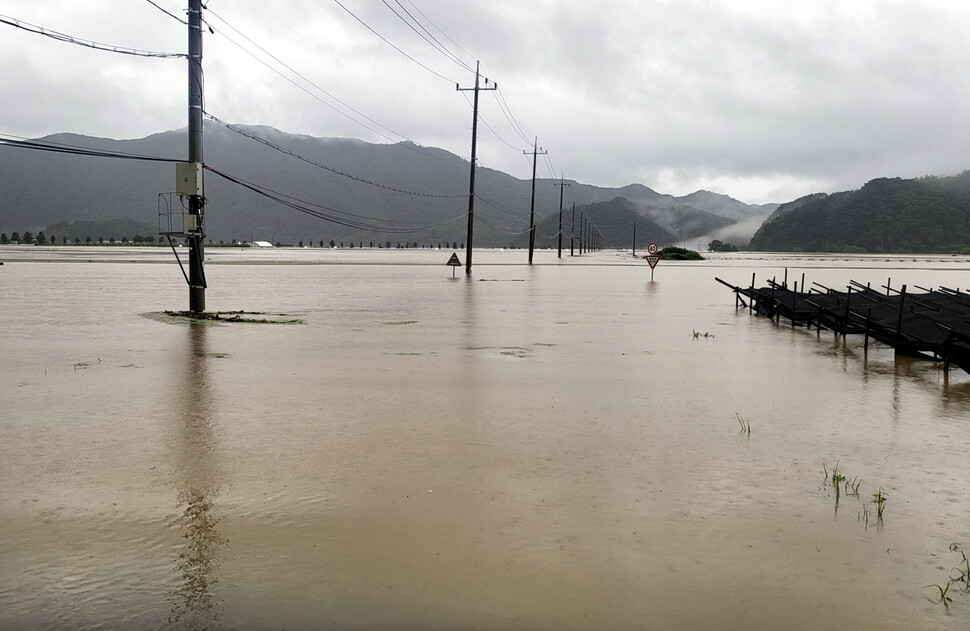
544,447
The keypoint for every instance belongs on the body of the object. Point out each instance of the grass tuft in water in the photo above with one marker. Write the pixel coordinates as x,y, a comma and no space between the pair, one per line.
963,569
944,599
880,500
745,425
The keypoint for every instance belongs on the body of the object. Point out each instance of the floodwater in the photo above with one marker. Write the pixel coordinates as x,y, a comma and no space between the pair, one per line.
544,447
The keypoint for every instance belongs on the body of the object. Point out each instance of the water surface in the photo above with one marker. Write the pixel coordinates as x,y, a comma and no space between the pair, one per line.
544,447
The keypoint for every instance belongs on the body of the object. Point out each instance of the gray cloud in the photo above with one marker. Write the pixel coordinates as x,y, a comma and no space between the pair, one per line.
763,101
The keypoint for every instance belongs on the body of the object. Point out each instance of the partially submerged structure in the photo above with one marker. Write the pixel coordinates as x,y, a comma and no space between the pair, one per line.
934,323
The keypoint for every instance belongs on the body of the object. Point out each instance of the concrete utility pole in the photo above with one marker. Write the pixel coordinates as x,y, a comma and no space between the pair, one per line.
532,210
197,201
471,179
562,186
582,231
572,231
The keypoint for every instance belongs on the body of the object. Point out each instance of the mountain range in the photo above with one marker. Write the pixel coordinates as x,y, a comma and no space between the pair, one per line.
337,189
926,214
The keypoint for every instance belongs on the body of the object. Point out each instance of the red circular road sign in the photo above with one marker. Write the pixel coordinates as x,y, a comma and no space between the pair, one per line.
652,248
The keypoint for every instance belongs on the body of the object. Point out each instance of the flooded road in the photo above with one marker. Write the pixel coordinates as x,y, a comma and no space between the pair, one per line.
544,447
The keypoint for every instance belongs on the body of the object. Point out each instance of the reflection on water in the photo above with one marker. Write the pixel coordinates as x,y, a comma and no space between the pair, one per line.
194,603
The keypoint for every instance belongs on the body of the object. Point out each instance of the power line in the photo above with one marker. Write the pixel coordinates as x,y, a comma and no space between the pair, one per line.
266,142
54,147
314,85
388,42
166,12
494,133
433,41
330,105
504,106
332,215
70,39
443,34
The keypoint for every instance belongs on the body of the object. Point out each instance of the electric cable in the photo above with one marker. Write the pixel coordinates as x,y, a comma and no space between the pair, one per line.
166,12
54,147
433,41
413,147
332,215
266,142
70,39
388,42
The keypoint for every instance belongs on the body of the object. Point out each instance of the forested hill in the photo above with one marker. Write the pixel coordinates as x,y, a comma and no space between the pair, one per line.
929,214
614,222
346,190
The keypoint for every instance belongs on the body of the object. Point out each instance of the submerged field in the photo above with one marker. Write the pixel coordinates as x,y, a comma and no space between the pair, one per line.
566,445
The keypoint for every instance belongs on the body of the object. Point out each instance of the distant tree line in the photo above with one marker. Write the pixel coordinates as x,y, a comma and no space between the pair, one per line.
28,238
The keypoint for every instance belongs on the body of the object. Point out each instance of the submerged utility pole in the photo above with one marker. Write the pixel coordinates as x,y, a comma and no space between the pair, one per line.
572,231
562,186
196,227
532,209
471,178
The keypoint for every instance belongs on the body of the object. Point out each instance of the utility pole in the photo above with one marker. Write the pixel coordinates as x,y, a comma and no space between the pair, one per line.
572,231
582,232
532,210
471,178
196,201
562,186
634,238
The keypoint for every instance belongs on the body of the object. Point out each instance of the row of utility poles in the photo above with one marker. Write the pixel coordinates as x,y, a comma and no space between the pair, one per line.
587,230
189,176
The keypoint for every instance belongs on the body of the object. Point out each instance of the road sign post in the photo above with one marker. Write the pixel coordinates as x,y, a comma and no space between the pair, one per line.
652,257
454,263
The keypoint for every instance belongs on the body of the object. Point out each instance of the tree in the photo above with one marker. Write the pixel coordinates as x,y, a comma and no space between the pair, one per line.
87,239
3,237
27,238
15,236
332,244
41,238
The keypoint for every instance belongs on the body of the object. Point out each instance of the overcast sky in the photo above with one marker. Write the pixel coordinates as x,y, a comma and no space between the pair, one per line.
764,101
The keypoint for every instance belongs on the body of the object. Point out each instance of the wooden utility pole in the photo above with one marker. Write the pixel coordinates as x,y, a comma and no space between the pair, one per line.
562,186
471,178
196,234
532,210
